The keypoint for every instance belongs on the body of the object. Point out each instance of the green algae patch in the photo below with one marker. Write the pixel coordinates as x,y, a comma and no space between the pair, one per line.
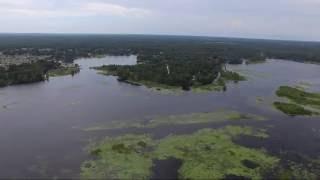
208,153
301,102
125,157
185,119
292,109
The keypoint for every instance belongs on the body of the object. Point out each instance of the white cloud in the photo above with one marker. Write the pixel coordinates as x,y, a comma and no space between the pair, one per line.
101,8
31,8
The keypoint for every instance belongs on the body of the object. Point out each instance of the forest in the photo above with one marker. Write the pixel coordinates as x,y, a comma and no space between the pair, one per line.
175,73
26,73
67,47
171,60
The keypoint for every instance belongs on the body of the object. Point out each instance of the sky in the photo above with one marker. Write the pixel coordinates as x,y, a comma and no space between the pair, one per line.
268,19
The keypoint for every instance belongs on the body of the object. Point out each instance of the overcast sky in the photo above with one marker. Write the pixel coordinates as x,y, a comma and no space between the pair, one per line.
275,19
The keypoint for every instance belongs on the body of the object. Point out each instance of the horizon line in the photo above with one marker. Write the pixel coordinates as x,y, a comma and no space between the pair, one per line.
173,35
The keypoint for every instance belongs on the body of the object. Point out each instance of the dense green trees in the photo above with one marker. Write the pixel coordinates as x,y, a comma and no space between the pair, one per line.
171,60
177,73
26,73
157,48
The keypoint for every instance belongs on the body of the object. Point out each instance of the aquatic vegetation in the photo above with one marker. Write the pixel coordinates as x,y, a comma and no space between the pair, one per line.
296,171
195,118
292,109
125,157
207,153
212,154
294,165
302,103
299,96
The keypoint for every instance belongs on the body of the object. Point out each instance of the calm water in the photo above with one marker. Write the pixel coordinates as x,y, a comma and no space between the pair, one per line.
40,123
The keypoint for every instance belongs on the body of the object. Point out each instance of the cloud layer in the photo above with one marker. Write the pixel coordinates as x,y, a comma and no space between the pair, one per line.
280,19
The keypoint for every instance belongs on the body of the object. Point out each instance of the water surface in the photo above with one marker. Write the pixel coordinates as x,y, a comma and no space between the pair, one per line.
40,124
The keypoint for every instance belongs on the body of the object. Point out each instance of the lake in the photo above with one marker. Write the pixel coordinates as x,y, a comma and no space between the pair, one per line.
41,124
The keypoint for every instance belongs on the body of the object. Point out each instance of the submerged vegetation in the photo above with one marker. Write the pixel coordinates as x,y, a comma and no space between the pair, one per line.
205,154
195,118
302,103
295,170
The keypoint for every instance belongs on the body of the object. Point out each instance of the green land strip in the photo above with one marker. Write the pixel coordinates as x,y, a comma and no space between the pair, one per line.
301,102
185,119
292,109
218,85
205,154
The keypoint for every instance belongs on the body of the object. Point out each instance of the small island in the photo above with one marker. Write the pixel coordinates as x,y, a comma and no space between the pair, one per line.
187,75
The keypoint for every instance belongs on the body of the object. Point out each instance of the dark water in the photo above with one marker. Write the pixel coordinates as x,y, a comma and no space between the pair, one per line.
166,169
40,123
